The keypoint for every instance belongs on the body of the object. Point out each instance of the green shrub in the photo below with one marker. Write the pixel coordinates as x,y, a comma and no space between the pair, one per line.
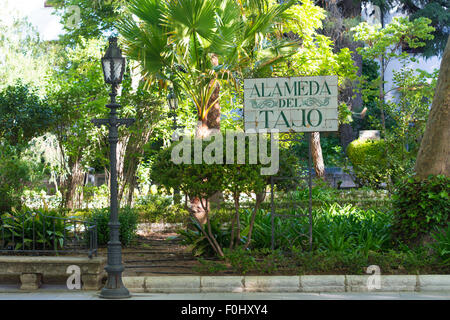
157,208
14,175
420,205
441,244
198,243
336,228
240,260
369,161
17,230
339,229
128,219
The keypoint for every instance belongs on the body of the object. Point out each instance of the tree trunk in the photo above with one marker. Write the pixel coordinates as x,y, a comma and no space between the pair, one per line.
316,153
352,97
337,30
206,127
434,153
259,199
147,117
75,179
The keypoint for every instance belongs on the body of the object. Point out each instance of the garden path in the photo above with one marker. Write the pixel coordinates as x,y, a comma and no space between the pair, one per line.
157,254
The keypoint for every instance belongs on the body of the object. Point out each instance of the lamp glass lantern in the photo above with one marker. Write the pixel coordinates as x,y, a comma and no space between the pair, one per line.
172,100
113,63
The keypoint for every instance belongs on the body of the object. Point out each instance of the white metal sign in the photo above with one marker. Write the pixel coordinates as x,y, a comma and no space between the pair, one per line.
296,104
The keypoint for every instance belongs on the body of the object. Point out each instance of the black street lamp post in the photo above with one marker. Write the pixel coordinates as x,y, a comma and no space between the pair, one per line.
173,105
113,68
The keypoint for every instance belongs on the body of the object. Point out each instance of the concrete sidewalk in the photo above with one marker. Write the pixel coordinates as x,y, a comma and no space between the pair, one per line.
91,295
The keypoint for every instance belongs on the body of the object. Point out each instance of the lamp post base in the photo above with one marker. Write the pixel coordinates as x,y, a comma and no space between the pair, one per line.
115,293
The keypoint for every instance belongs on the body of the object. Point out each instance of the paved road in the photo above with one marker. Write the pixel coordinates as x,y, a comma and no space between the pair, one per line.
90,295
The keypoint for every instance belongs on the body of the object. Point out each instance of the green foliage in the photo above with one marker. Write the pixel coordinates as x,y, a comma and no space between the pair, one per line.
441,244
23,115
23,55
385,42
15,174
128,219
240,261
438,12
196,180
157,208
178,41
368,158
335,228
96,18
409,115
332,153
316,55
406,116
209,267
19,225
299,262
420,206
198,243
348,228
203,180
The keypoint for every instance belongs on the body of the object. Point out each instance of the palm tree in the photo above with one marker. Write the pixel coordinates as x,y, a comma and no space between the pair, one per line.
196,44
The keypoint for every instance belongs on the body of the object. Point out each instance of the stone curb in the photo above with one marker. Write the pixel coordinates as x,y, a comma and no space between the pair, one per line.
305,284
271,284
434,282
387,283
326,283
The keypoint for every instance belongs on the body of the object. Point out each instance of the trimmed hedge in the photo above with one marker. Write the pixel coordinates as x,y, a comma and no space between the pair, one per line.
369,161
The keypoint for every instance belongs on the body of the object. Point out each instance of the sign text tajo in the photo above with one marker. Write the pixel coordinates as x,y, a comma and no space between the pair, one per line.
296,104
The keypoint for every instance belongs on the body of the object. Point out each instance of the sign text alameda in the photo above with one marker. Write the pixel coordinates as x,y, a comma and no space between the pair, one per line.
296,104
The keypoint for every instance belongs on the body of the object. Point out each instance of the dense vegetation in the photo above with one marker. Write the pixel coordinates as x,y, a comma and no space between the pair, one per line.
203,49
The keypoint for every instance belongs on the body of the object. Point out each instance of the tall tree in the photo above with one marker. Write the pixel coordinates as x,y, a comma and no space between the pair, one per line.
341,16
77,94
199,44
438,11
434,153
385,44
317,55
86,19
23,55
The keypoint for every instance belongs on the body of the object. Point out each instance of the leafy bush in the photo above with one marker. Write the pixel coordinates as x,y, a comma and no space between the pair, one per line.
23,115
441,244
17,230
420,207
156,208
335,229
363,197
202,181
348,228
198,243
300,262
14,175
331,151
369,161
128,219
